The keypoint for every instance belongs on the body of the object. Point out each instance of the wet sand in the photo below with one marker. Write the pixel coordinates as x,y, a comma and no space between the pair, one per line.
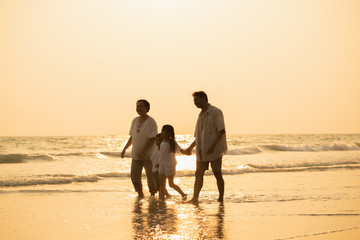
301,205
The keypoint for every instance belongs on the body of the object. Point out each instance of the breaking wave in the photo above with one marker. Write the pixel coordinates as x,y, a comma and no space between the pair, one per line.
243,151
252,168
68,154
242,169
295,148
46,179
21,158
57,179
314,147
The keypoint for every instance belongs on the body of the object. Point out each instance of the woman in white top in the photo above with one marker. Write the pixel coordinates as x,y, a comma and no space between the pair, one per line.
142,137
167,161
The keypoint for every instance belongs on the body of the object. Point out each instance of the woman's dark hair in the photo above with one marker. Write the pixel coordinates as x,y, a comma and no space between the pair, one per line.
170,129
200,94
146,103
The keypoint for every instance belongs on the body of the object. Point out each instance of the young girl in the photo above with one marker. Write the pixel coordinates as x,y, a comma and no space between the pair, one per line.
155,157
167,161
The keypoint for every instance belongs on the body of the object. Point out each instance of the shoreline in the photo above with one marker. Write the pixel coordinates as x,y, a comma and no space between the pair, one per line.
301,205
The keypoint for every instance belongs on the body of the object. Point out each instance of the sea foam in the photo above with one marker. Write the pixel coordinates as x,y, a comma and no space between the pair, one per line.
42,180
244,151
21,158
313,147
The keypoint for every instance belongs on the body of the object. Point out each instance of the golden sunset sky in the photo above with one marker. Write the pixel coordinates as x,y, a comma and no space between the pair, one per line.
77,67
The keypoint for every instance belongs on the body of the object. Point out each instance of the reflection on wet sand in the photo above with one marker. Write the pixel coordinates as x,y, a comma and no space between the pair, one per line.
153,219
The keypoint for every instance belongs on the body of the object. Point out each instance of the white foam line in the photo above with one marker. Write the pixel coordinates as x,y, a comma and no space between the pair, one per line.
320,233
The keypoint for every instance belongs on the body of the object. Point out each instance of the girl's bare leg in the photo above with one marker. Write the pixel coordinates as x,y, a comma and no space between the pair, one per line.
167,194
176,187
162,191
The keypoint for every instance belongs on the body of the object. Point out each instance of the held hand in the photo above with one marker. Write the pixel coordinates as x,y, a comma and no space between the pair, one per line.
188,151
122,154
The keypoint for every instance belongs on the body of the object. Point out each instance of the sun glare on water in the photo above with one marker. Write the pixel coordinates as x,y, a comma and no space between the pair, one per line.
186,162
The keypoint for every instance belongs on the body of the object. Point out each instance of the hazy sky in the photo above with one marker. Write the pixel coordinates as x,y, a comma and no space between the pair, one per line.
77,67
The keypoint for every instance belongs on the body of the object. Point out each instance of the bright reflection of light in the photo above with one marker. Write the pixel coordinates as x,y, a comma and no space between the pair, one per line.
186,162
171,220
99,155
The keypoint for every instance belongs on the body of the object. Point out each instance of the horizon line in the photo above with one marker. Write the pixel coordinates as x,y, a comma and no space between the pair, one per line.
232,134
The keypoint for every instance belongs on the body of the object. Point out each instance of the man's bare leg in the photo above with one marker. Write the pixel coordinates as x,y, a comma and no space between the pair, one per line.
199,180
221,185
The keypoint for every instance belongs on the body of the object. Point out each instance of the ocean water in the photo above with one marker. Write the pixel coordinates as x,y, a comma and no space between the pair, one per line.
79,187
34,161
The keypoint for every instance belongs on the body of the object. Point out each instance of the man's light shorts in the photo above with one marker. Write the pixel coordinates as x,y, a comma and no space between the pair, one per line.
215,165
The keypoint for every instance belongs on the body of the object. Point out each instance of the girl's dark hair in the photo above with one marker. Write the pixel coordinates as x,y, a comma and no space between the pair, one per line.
146,103
170,129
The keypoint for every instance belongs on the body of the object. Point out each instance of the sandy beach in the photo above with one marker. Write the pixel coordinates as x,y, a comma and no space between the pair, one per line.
269,87
257,206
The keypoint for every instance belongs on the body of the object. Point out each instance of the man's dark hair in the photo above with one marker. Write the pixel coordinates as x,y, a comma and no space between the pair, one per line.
146,103
200,94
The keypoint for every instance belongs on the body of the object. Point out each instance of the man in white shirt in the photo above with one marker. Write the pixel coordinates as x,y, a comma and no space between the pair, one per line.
210,142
